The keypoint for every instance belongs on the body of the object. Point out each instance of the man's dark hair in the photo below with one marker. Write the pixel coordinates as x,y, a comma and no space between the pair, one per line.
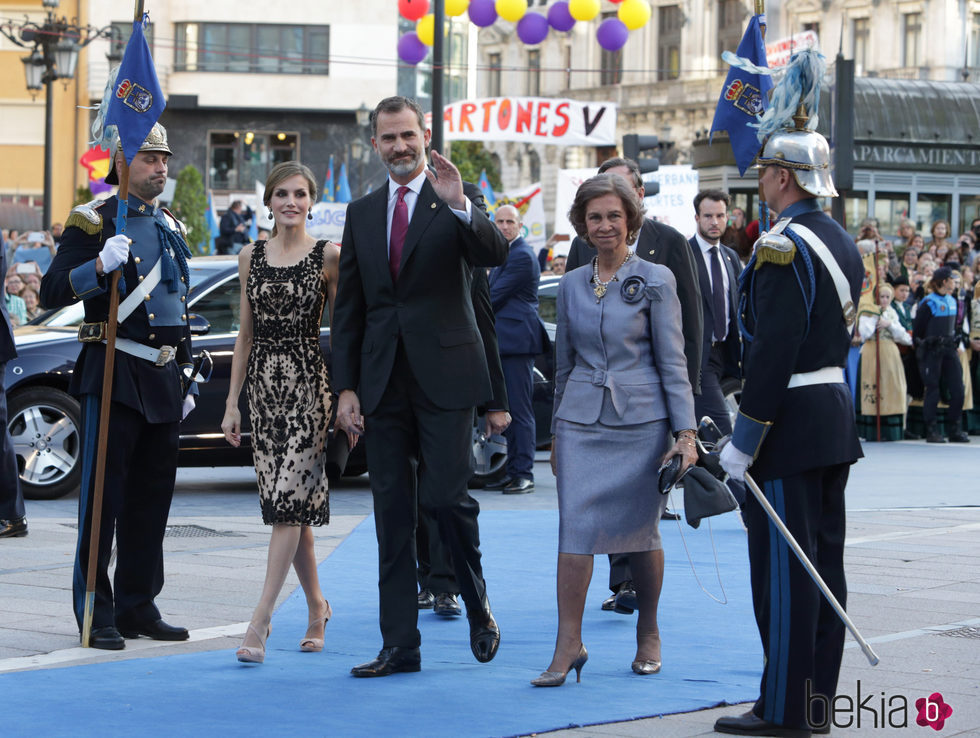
235,204
396,104
714,195
622,161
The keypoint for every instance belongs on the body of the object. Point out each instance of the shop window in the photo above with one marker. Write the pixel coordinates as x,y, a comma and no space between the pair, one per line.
534,73
911,39
237,159
929,209
252,48
493,75
855,210
860,35
969,211
890,209
669,48
611,63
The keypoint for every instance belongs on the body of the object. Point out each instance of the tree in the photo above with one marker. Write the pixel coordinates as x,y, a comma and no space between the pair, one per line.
189,205
471,158
83,196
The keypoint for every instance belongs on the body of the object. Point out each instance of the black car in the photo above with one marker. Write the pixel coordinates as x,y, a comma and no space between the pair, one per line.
44,419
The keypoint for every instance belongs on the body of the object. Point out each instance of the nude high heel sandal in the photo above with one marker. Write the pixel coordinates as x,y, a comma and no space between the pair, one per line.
253,654
313,645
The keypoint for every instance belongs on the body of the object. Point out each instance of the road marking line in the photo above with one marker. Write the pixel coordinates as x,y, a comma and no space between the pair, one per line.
917,533
928,630
80,655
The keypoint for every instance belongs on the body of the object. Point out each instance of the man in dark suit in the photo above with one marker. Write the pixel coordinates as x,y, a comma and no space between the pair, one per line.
438,589
659,244
718,270
13,518
408,355
232,230
796,428
148,397
514,296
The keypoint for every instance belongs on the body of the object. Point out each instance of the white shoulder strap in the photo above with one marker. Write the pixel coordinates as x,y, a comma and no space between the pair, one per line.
127,306
840,281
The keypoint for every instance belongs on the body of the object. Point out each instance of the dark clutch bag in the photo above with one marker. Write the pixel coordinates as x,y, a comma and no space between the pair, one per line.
670,474
705,496
338,449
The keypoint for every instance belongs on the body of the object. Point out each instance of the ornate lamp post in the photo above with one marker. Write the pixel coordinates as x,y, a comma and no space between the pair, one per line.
54,46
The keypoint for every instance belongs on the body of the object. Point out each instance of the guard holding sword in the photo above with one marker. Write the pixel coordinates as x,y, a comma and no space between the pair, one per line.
795,431
151,392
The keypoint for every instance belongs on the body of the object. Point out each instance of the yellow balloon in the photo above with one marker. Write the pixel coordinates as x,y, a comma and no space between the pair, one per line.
425,29
583,10
512,10
456,7
634,13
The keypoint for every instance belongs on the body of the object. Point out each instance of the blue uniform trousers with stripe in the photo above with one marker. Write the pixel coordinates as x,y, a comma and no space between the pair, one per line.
140,470
802,637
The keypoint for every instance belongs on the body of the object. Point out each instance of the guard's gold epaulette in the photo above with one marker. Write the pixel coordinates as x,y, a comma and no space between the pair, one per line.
774,248
86,217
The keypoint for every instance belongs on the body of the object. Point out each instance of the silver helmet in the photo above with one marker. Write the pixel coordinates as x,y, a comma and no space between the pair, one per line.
806,154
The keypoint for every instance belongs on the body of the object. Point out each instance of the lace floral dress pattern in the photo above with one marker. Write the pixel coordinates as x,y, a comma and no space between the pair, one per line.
288,388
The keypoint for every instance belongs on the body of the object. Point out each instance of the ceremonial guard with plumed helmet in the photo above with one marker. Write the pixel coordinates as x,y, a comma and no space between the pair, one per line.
150,392
796,425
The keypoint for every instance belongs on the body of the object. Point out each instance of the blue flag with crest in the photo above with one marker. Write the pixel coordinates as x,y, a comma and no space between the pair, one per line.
343,186
745,95
137,101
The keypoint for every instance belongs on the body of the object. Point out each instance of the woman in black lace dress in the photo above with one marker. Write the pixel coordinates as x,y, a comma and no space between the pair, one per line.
285,283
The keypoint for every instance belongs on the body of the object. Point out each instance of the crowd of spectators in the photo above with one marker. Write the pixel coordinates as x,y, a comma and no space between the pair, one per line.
910,268
29,254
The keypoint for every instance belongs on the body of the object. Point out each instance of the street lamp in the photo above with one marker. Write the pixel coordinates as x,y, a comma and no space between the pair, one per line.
54,46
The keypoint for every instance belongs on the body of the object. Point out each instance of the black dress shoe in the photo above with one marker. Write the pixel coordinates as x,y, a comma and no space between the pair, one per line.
625,602
106,638
447,605
668,515
390,661
498,485
609,603
484,633
910,436
426,600
13,528
957,436
751,724
157,630
519,487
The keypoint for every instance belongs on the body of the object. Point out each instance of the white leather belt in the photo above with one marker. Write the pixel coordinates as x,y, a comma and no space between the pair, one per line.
159,356
827,375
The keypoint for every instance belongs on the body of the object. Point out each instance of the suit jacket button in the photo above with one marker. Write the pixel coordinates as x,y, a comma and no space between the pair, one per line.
137,259
152,316
152,336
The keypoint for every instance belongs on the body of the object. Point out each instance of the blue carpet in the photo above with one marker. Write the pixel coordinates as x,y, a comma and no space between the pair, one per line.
711,655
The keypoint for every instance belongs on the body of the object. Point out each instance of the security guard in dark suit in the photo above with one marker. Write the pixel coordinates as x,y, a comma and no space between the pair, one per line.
13,519
149,395
796,428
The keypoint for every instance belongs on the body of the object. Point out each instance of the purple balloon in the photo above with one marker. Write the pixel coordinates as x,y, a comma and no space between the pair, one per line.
483,12
532,28
410,49
612,34
559,17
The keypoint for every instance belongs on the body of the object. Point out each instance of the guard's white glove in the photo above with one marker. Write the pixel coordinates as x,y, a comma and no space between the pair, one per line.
115,253
189,404
734,462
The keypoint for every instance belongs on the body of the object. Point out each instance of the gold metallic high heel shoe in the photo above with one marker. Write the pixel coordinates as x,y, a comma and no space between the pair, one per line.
557,678
646,666
313,645
253,654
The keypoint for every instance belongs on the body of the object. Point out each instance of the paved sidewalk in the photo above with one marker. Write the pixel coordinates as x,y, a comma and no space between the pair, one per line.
912,562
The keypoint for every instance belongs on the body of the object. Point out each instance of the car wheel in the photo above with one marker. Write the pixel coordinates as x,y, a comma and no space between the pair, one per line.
43,424
489,456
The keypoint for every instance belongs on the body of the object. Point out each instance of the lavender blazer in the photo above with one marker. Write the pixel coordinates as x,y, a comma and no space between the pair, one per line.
628,347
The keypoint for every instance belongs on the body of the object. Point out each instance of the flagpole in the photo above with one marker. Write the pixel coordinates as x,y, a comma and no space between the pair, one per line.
110,354
760,10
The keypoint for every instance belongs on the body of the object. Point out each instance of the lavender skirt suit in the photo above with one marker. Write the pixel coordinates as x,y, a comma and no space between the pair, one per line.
621,388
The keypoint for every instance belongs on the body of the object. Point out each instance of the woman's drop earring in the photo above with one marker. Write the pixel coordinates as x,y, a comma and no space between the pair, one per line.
309,214
270,214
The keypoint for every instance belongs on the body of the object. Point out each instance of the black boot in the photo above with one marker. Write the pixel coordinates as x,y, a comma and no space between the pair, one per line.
932,434
957,434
